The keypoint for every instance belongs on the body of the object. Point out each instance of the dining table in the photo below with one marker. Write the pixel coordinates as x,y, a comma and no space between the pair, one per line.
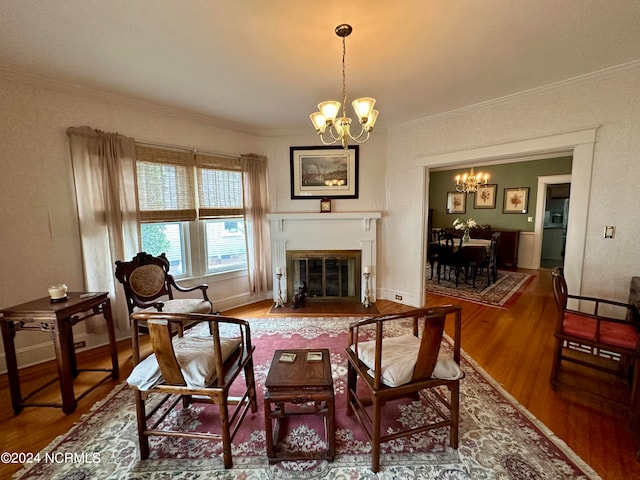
472,242
472,262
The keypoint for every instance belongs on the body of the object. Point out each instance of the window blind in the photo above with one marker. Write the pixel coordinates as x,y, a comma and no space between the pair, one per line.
166,189
219,186
168,180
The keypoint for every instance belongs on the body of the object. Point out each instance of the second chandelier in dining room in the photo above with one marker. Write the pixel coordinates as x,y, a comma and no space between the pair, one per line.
470,182
325,120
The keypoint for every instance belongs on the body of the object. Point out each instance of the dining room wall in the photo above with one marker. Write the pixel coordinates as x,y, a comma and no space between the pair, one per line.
503,175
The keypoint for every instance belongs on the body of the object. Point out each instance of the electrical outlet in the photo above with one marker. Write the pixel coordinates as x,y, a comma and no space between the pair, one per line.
398,297
80,344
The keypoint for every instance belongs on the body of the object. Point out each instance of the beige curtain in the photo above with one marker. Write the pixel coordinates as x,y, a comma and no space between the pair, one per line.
104,173
256,203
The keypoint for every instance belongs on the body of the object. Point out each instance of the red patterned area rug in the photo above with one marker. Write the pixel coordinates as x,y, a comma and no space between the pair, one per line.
499,439
502,294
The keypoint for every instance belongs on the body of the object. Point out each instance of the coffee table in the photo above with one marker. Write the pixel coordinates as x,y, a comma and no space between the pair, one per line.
306,382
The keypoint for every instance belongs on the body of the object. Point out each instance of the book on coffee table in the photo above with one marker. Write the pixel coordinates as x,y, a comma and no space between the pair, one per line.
287,357
314,356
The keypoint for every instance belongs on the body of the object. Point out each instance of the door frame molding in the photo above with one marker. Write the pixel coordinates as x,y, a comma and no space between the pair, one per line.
578,143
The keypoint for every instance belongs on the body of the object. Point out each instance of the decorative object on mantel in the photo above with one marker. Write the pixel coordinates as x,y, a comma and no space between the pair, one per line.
324,172
340,129
465,226
470,182
325,205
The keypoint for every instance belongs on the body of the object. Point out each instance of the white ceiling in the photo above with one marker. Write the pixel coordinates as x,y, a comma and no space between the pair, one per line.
265,64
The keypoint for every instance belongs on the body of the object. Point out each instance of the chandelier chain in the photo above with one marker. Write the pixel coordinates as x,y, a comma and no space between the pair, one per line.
344,77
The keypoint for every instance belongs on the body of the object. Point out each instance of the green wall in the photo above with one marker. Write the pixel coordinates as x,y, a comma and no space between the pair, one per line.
508,175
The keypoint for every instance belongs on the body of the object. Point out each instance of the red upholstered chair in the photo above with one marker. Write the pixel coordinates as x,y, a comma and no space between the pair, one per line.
587,338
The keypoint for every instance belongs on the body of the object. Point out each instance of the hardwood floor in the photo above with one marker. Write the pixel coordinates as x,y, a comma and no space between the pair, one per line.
513,346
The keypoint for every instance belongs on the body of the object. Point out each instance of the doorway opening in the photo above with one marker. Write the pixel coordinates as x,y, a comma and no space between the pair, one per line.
555,221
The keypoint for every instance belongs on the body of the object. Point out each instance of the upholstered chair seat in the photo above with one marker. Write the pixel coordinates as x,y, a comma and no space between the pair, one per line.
587,342
392,366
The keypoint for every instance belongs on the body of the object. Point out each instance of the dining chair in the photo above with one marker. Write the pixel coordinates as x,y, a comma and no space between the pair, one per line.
449,257
474,259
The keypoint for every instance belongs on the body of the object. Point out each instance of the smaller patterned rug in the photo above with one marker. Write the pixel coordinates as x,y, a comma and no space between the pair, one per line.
502,294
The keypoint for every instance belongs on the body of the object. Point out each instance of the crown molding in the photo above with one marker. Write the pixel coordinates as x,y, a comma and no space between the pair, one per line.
606,73
10,73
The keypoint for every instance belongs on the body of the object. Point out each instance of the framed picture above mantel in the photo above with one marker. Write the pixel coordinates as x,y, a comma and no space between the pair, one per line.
324,172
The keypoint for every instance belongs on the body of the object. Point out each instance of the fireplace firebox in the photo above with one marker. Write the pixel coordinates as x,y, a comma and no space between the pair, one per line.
326,275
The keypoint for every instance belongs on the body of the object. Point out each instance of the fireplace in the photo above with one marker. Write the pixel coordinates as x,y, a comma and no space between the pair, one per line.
331,249
332,275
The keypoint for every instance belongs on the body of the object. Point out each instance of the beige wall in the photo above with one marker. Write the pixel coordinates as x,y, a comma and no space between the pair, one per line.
39,239
608,102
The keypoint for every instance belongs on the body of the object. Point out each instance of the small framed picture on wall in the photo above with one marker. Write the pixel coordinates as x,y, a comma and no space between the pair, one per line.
485,197
456,202
516,200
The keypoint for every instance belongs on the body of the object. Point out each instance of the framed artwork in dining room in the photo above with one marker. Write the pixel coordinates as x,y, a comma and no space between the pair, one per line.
324,172
516,200
485,197
456,202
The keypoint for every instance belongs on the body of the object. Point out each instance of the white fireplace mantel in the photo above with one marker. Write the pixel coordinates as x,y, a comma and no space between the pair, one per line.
324,231
365,217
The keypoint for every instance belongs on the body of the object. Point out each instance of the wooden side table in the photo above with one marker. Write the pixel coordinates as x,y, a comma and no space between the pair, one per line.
58,319
299,382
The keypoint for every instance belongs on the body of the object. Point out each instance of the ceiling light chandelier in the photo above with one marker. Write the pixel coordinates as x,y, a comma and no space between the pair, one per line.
470,182
340,129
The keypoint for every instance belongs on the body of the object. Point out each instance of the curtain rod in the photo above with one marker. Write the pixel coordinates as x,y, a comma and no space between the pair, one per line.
187,149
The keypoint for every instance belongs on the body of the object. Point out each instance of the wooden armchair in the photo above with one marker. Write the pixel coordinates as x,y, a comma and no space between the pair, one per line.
594,341
401,366
193,368
148,285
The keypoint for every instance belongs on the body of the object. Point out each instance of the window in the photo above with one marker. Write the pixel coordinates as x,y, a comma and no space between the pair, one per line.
191,207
